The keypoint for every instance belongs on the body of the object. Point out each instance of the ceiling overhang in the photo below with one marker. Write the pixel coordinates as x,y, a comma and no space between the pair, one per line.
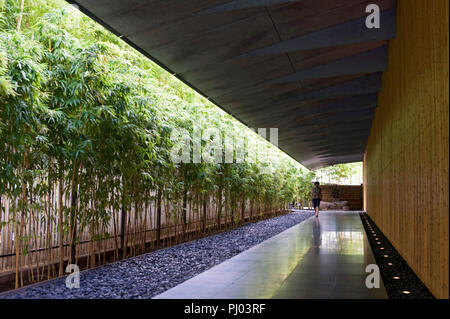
310,68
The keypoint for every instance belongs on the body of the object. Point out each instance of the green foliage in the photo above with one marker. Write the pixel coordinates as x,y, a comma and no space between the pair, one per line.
341,172
80,107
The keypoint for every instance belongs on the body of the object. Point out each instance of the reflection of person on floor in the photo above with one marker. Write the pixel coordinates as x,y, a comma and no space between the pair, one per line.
317,234
316,195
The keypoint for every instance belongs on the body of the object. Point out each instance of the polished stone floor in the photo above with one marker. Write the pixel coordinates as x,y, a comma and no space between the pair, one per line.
321,258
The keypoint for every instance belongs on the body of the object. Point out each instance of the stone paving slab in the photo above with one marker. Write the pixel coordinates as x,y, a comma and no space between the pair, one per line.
321,258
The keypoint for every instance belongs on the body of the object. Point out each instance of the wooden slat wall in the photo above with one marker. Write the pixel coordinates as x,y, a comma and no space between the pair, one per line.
39,241
407,158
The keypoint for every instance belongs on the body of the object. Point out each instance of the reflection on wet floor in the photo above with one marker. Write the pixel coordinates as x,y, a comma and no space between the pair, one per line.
324,257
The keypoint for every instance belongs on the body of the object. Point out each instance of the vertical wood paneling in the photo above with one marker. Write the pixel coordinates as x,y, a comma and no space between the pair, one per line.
407,158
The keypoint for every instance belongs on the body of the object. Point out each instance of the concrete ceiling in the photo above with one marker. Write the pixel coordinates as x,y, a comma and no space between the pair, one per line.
309,68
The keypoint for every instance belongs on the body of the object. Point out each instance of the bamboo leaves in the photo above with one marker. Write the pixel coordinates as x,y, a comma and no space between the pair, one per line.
85,126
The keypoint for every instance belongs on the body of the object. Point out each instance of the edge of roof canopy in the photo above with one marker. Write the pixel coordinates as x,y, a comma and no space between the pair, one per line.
143,52
346,94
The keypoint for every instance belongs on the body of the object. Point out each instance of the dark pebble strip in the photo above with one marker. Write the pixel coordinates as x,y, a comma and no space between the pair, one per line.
407,279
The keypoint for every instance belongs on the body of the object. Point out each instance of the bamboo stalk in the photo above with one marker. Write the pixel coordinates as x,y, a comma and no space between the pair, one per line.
16,233
61,230
124,227
136,209
158,217
219,208
49,255
116,244
2,237
73,216
19,19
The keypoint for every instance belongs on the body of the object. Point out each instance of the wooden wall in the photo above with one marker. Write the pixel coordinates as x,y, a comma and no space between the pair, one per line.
407,158
350,193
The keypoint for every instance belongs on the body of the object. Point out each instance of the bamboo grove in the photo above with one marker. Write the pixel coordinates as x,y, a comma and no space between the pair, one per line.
85,173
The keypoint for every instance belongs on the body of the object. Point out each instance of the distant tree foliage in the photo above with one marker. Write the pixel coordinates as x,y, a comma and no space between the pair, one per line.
350,173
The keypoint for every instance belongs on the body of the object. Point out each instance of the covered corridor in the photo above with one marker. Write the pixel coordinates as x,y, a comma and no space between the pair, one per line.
321,258
108,197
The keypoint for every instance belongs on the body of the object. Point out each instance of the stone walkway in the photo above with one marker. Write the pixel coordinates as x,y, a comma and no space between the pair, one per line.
321,258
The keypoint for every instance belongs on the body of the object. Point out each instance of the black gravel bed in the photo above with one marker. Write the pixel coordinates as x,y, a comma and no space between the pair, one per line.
398,277
151,274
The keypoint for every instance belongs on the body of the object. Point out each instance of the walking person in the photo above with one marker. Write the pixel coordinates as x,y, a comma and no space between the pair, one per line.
316,195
